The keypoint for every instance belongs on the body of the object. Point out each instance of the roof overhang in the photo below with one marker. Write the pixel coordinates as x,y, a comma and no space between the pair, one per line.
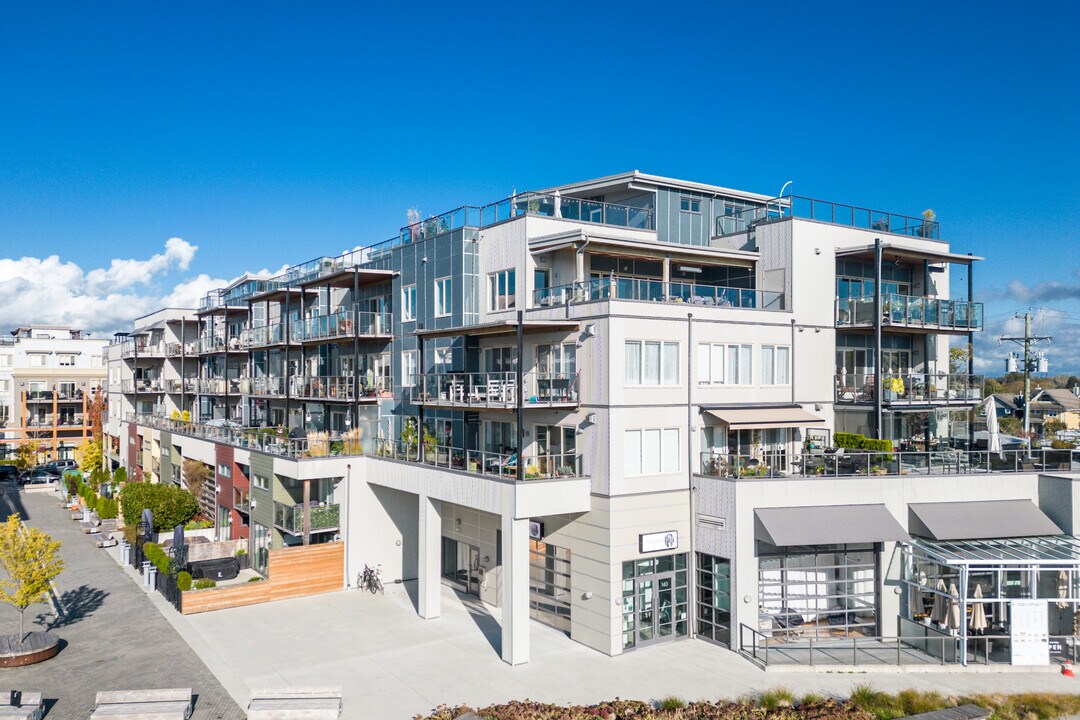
979,520
645,181
495,329
641,248
827,525
891,250
761,417
345,278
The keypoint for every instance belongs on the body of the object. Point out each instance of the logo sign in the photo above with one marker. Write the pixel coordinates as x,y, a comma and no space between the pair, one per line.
658,542
536,530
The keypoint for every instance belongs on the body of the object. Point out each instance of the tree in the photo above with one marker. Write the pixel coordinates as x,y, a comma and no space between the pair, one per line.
196,474
1053,427
170,505
30,559
26,455
89,455
958,358
1011,426
95,410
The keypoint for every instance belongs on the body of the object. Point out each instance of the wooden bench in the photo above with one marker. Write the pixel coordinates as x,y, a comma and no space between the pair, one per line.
170,704
104,540
22,705
93,525
312,703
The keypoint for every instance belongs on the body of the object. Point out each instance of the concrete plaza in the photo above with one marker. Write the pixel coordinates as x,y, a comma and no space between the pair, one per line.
392,664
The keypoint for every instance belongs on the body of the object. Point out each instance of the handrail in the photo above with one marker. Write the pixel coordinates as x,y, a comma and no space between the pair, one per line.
911,311
495,388
911,387
831,212
615,287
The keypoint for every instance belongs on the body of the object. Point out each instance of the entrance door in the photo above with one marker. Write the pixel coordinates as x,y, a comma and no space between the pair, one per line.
656,609
461,563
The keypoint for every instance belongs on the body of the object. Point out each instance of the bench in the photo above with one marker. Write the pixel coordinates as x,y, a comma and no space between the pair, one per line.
104,540
22,705
92,525
313,703
76,514
169,704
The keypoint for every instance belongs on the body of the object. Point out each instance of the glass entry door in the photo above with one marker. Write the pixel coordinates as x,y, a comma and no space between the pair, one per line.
655,609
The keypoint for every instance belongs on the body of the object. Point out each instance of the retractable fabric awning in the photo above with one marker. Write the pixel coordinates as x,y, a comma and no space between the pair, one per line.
979,520
827,525
762,418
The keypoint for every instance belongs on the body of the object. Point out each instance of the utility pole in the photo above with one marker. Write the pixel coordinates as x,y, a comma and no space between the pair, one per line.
1028,341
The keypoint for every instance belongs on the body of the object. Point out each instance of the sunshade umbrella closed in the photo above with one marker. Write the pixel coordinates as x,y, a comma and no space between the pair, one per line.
952,621
978,612
993,434
937,614
916,595
178,536
148,520
1063,588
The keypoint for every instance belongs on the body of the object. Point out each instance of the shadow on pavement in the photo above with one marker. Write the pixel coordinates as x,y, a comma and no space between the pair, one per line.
77,604
488,625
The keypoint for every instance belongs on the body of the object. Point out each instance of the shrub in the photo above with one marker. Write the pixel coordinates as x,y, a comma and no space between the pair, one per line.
183,580
671,702
107,508
241,552
170,505
776,697
119,476
257,578
204,583
1062,445
157,557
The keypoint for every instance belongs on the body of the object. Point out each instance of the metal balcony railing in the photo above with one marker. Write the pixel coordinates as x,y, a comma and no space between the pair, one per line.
911,312
623,288
343,323
912,388
830,212
273,334
485,390
327,387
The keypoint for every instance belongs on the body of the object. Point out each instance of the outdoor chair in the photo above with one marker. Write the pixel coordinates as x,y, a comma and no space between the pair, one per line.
21,705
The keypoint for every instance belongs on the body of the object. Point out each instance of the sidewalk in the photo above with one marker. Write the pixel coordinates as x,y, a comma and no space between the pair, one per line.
115,637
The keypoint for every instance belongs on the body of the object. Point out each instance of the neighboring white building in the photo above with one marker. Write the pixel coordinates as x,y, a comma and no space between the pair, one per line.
48,375
599,406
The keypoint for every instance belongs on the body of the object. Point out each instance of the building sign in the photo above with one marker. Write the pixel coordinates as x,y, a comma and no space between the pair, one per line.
1029,632
536,530
659,542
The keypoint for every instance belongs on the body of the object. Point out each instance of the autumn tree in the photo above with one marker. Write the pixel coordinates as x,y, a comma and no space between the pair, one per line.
29,559
26,455
88,455
95,411
196,474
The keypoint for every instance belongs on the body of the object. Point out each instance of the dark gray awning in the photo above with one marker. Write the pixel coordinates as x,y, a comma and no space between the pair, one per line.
826,525
979,520
762,417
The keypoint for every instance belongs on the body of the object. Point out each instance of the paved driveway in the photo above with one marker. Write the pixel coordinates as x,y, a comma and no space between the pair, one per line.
392,664
116,638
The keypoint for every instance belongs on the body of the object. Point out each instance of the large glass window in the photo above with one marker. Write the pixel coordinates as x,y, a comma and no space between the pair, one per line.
260,548
714,598
408,303
650,452
503,289
819,591
651,363
408,368
549,584
444,296
775,361
654,600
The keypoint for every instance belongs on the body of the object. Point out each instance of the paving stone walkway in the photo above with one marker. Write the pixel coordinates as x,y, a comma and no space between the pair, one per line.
115,638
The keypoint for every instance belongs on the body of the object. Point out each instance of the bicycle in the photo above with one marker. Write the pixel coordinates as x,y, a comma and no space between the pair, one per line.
370,578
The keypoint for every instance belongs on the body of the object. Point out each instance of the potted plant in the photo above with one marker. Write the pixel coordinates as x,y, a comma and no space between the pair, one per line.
430,443
409,436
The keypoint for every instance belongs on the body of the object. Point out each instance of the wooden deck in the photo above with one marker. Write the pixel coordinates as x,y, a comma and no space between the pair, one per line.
37,647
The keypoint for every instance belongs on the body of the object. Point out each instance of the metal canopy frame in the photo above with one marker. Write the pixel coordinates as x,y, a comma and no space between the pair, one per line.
1044,550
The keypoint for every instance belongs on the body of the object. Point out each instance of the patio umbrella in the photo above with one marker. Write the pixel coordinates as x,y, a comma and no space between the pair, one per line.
978,612
953,620
916,595
993,434
148,520
937,614
1063,588
178,536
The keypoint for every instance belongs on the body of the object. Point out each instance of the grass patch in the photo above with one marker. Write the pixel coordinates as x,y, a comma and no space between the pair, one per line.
671,702
775,698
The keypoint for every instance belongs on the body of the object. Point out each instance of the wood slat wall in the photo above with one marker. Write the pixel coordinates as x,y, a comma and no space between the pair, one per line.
294,572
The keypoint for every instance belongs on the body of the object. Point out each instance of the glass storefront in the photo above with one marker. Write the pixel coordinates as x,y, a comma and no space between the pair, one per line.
820,591
714,598
260,548
549,584
654,600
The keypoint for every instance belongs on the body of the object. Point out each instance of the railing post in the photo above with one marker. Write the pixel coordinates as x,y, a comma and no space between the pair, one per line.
854,652
898,654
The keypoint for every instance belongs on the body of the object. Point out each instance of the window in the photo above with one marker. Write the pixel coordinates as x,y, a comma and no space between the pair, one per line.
5,387
408,303
260,481
688,204
444,358
650,452
224,470
739,365
502,359
503,290
774,365
37,359
408,368
5,361
500,437
66,360
651,363
444,296
714,598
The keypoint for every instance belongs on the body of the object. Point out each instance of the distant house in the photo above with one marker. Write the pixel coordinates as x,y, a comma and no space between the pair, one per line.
1004,404
1058,404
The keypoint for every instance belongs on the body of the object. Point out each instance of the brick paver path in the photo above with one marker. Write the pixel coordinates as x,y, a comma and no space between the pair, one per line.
116,639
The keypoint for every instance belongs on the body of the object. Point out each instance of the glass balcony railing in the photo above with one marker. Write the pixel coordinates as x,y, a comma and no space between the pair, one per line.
911,388
266,386
290,518
830,212
343,323
623,288
264,335
911,312
327,387
485,390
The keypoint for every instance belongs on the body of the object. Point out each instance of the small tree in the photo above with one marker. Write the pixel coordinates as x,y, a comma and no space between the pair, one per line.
30,560
26,455
89,455
196,474
1053,427
95,410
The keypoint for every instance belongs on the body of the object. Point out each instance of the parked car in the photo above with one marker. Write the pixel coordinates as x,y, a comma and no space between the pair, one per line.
39,476
59,466
8,473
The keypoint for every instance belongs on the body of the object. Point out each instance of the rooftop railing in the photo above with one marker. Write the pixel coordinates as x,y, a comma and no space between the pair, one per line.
623,288
911,312
913,388
830,212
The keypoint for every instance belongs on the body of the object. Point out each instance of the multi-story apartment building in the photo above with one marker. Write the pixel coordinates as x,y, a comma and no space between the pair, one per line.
611,407
48,375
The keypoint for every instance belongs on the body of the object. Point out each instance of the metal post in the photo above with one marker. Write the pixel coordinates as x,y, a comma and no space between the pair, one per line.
285,338
878,389
520,395
419,406
1027,383
356,348
970,352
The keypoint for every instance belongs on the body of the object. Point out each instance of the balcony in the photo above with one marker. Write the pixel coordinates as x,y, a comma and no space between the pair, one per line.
829,212
576,209
624,288
220,344
503,465
142,349
47,396
911,388
338,388
143,386
266,335
496,390
342,325
911,313
266,387
290,518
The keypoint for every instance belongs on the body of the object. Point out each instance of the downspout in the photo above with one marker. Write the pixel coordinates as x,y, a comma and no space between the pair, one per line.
692,560
519,379
879,392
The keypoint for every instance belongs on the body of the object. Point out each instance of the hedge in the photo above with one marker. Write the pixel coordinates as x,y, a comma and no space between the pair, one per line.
183,580
170,504
854,441
157,557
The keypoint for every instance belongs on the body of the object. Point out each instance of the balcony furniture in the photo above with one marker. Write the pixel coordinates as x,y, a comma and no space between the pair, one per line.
174,704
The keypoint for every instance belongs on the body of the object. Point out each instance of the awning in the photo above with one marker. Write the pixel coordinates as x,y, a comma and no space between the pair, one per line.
826,525
505,327
979,520
895,251
759,418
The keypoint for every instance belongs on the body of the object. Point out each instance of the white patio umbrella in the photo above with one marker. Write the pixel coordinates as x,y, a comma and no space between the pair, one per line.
1063,588
978,612
953,620
993,434
938,612
916,595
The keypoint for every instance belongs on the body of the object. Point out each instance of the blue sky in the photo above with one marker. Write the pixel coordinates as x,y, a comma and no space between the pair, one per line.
268,133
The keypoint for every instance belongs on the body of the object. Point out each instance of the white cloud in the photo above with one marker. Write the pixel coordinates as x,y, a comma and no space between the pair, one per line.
48,291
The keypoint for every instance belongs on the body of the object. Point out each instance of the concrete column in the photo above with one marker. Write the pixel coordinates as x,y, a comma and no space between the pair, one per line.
428,567
515,590
307,512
